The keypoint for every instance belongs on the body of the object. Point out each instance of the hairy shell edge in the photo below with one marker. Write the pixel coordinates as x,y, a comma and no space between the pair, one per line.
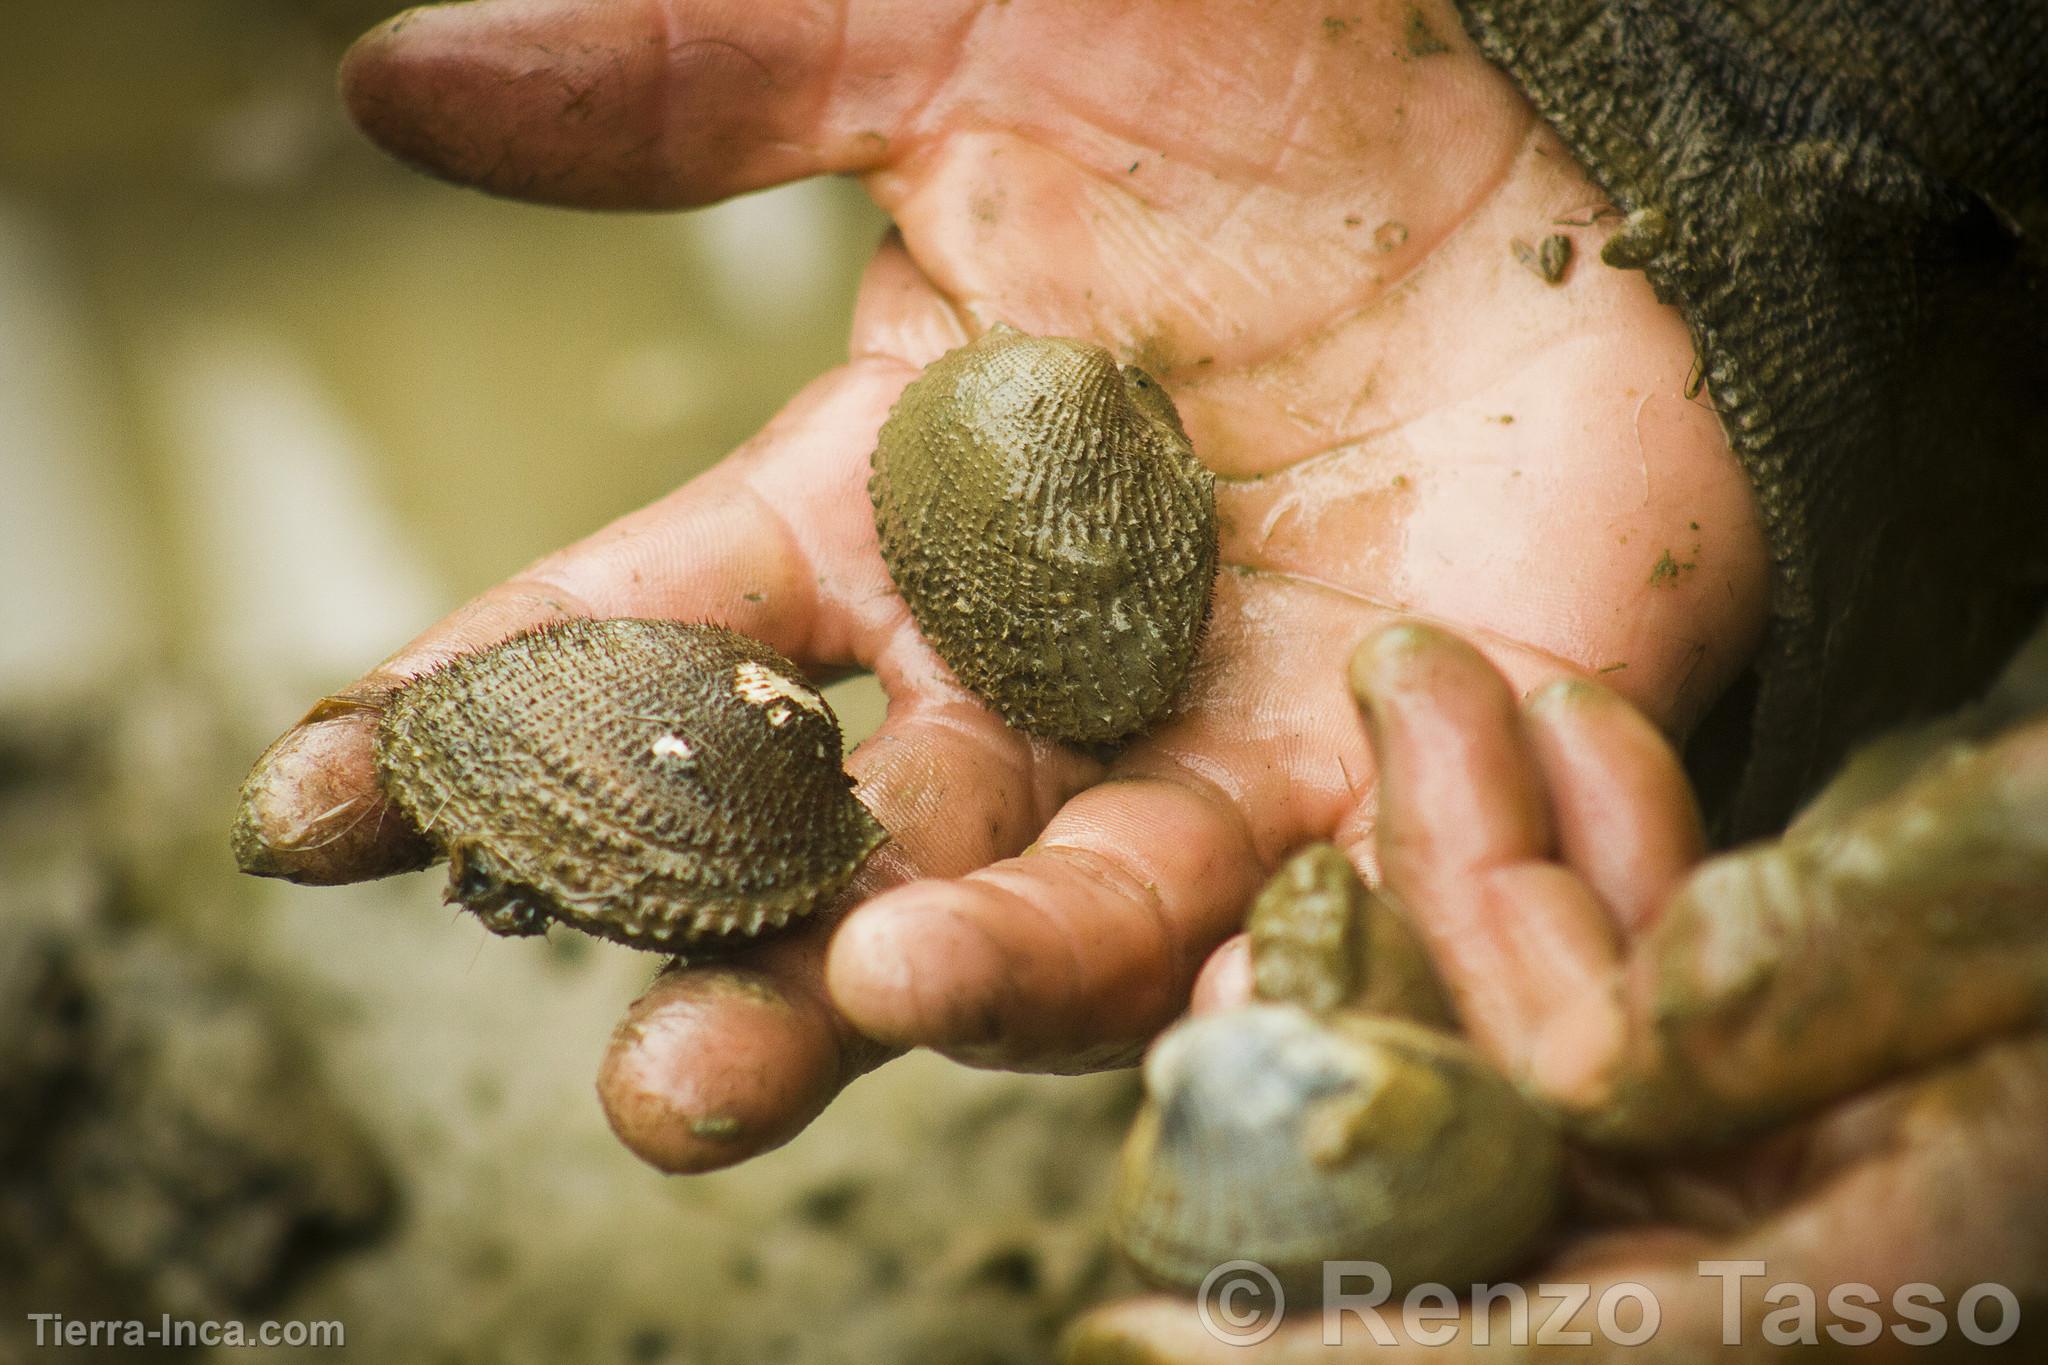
661,784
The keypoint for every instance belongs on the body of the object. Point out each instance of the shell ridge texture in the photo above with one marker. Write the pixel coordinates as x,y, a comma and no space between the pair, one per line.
653,782
1051,531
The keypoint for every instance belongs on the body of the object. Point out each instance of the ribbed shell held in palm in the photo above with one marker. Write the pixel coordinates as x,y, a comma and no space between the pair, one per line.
1045,518
652,782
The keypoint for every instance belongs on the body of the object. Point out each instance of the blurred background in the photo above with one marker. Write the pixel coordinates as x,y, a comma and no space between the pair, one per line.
268,405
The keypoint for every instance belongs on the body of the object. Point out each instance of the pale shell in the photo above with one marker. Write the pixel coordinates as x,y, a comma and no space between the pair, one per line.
1277,1136
1332,1121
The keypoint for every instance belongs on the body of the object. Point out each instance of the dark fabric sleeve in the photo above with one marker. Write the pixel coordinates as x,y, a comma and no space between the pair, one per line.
1837,195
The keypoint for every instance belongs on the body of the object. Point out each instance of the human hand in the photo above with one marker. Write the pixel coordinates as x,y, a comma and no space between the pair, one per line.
1303,226
1548,853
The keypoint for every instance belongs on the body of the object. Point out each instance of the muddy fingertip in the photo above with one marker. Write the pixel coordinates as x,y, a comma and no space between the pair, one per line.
310,810
1385,657
713,1066
1563,694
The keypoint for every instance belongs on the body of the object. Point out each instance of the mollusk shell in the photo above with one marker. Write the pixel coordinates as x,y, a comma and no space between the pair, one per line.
1308,931
1044,516
1321,939
657,783
1292,1139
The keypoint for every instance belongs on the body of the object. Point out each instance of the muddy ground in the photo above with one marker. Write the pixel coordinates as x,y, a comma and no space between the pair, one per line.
225,1098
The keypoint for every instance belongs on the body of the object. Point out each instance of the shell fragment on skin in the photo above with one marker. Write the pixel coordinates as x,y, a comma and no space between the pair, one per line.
661,784
1045,518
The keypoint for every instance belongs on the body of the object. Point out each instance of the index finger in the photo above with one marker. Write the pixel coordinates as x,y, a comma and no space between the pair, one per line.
1466,838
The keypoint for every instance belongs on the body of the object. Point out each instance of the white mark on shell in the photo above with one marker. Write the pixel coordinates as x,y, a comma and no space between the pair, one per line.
763,686
778,715
673,746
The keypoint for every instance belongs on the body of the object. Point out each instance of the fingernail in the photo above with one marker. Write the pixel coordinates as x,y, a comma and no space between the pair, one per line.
1383,656
311,811
392,70
1562,693
1400,641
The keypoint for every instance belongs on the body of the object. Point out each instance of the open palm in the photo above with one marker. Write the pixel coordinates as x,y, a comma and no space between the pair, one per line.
1305,226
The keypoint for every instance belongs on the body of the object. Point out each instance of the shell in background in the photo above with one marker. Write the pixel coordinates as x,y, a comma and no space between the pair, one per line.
656,783
1044,516
1290,1139
1321,939
1307,930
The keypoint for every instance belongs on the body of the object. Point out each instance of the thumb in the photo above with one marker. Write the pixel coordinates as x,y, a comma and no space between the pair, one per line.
649,104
